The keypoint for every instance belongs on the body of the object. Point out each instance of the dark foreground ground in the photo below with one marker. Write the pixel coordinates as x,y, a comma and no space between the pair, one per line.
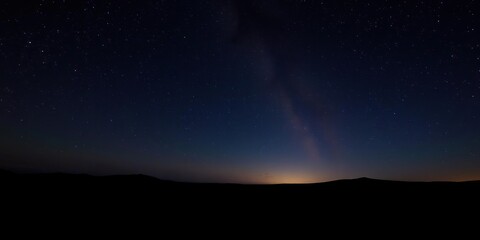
66,196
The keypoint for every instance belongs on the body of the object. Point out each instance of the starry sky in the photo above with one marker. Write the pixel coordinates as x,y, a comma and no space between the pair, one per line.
242,91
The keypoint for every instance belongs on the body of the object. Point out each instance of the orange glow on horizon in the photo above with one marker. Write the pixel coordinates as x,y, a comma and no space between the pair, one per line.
293,178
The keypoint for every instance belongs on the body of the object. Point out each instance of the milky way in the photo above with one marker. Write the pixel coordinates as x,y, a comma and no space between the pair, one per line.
241,90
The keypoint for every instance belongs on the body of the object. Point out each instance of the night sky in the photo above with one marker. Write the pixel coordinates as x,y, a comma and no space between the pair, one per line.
242,91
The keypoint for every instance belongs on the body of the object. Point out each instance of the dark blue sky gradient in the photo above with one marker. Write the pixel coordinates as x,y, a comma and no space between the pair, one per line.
242,91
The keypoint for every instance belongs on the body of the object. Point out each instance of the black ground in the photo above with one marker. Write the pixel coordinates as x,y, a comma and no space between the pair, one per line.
67,195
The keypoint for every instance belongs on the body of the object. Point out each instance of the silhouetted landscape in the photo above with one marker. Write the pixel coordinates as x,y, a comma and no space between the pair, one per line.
140,191
207,94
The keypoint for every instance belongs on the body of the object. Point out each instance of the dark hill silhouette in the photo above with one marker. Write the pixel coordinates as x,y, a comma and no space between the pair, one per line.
80,195
115,184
